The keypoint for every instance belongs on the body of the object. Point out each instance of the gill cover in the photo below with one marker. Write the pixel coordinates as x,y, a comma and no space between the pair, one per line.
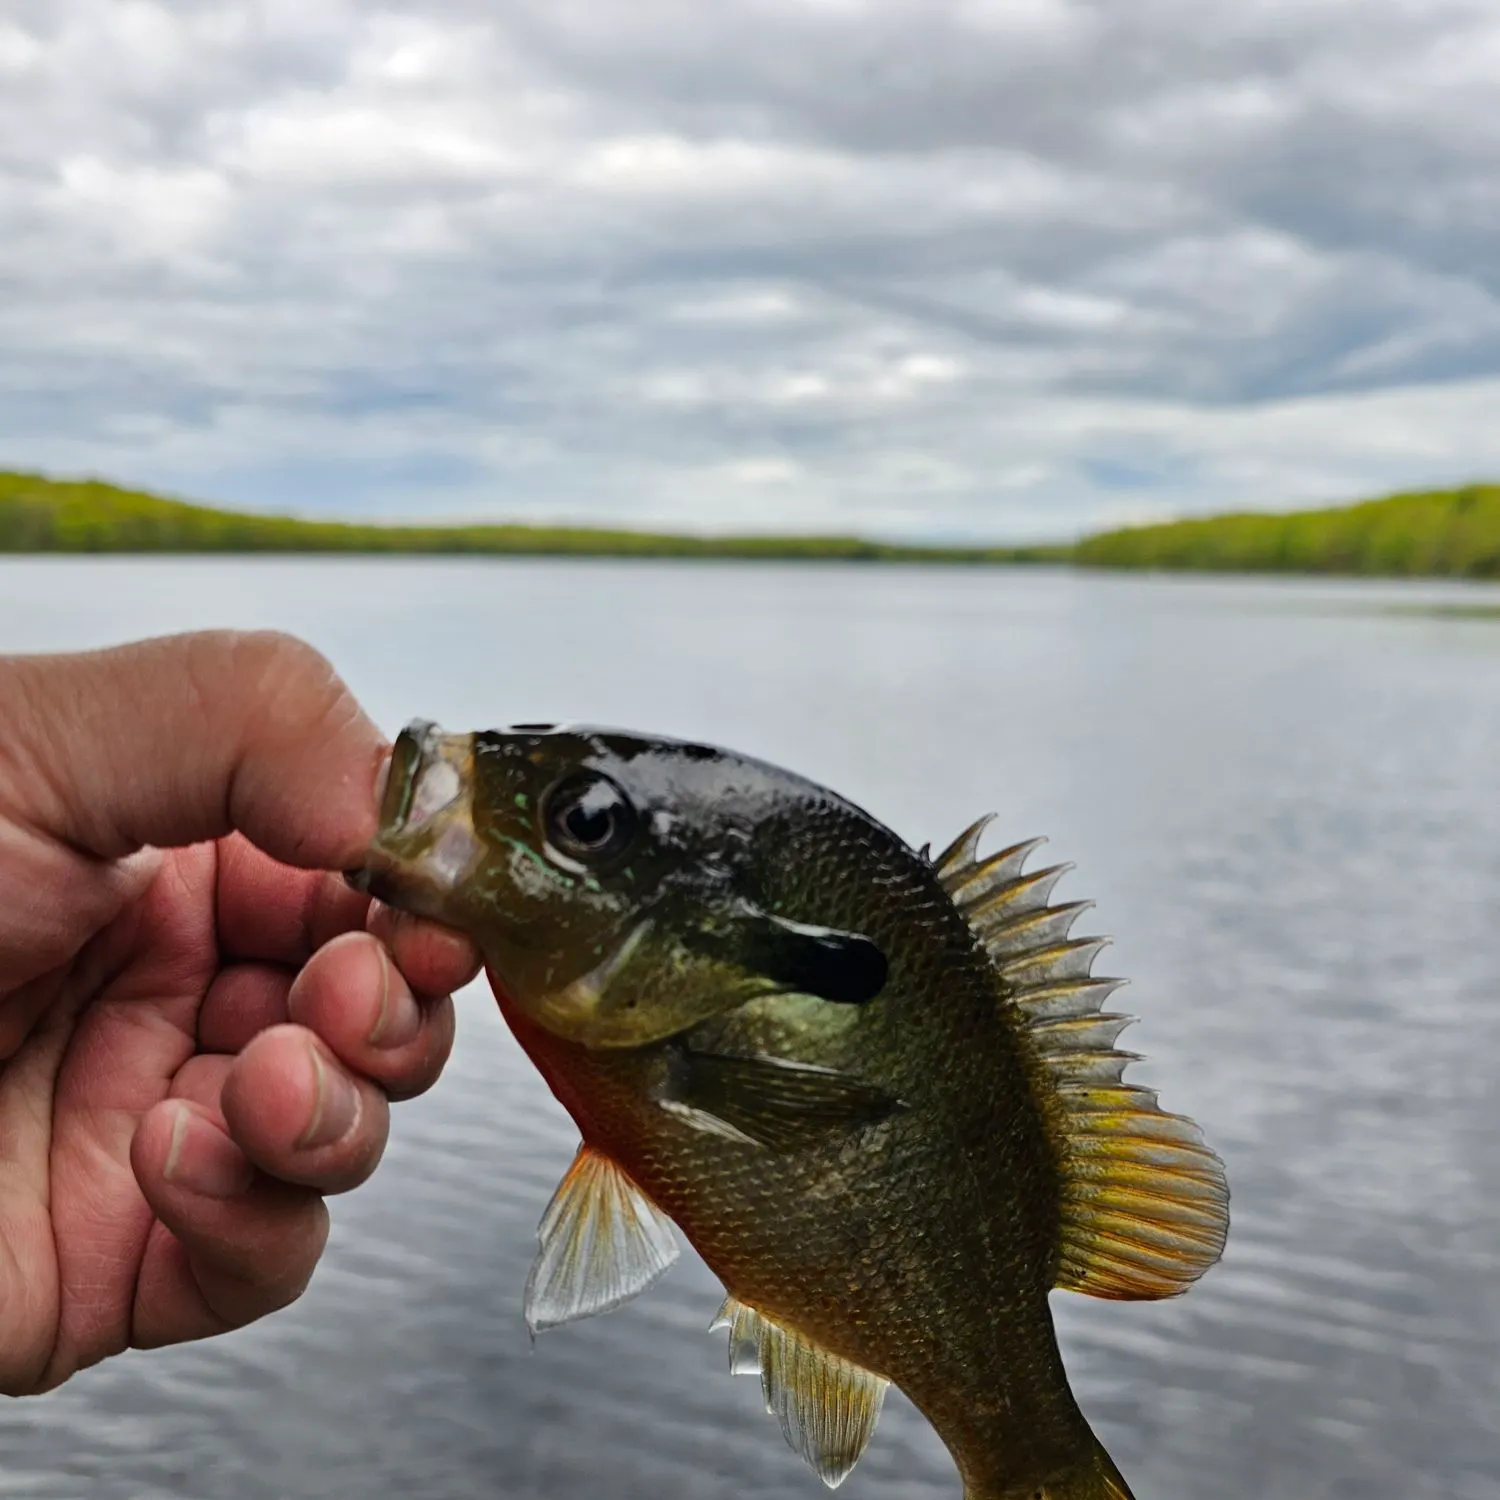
672,970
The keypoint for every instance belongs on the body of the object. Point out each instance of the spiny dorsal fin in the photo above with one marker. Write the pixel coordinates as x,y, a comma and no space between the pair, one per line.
827,1406
1145,1207
602,1241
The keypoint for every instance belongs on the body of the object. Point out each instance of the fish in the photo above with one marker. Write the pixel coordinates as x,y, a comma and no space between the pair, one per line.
876,1089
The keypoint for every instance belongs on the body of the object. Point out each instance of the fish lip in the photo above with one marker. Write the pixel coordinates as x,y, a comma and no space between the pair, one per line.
430,773
415,751
425,844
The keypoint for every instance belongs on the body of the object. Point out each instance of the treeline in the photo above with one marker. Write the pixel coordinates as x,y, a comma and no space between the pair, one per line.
1445,533
1442,533
45,515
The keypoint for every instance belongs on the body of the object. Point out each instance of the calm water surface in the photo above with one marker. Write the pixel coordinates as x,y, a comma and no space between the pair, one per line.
1283,798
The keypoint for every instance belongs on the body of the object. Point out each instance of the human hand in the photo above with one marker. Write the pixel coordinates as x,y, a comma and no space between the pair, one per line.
197,1044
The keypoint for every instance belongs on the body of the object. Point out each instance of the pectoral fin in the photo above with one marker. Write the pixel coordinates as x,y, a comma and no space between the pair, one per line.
767,1100
602,1241
827,1406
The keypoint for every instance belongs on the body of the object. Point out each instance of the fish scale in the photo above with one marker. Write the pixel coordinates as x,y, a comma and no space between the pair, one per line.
877,1092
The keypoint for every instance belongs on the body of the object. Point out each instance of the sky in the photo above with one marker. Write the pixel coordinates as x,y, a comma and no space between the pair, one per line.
938,269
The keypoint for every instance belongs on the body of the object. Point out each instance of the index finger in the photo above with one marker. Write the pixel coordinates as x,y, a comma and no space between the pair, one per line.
268,913
275,914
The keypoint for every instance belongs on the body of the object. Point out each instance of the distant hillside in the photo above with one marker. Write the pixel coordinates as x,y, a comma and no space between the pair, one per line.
47,515
1447,533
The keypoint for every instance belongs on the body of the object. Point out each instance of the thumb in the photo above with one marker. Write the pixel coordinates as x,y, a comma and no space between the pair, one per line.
185,738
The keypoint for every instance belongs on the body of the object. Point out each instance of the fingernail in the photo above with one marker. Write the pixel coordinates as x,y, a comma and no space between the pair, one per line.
138,870
202,1159
335,1105
398,1020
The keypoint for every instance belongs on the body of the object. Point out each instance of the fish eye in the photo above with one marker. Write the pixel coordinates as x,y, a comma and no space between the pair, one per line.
587,817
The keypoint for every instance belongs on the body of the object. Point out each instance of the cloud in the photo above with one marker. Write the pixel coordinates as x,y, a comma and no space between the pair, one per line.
927,267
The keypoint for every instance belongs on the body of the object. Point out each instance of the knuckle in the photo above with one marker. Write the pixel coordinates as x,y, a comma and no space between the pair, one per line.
268,668
296,690
282,668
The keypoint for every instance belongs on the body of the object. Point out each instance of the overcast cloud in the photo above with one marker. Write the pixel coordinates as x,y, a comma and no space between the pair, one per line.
920,267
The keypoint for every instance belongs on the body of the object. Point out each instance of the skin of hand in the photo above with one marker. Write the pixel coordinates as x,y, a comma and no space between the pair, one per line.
201,1029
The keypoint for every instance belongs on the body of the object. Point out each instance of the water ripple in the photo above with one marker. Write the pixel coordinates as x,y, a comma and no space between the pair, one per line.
1282,797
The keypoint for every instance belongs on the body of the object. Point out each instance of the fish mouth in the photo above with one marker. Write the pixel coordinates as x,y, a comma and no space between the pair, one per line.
426,845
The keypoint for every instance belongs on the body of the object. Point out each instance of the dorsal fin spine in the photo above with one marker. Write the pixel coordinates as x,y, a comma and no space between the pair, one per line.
1096,1032
1033,929
1143,1202
1070,960
1073,997
962,850
1000,878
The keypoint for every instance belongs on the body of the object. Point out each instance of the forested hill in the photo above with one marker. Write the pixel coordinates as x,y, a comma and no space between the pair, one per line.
1442,533
46,515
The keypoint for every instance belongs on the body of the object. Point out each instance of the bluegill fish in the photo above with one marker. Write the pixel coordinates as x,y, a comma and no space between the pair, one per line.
875,1090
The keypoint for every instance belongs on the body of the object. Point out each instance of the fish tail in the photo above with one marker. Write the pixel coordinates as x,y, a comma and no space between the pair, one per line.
1094,1477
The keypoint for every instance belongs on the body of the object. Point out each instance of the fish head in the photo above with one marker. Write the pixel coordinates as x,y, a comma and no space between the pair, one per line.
607,878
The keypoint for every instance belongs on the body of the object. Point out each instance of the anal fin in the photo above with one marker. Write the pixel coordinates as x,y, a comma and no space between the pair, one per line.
602,1241
827,1405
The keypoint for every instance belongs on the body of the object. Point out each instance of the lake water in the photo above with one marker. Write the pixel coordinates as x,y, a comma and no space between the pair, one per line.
1283,796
